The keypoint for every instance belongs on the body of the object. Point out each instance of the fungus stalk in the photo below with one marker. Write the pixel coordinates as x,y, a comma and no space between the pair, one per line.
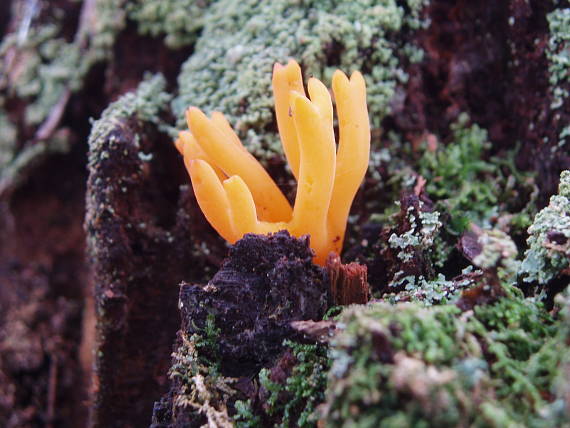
236,194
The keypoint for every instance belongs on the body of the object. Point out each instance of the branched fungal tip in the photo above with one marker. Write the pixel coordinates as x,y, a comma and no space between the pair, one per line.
238,196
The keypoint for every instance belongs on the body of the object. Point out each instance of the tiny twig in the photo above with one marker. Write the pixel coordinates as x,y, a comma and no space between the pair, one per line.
49,126
30,12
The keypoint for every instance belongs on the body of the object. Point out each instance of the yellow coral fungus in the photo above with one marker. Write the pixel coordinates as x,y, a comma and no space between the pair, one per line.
236,194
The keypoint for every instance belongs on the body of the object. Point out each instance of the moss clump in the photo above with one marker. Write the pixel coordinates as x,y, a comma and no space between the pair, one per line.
408,365
471,188
294,402
549,238
202,392
230,70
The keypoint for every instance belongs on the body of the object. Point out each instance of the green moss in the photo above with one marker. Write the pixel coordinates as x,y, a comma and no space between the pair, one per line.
295,402
411,365
196,373
230,70
204,390
207,343
245,418
549,238
471,187
454,174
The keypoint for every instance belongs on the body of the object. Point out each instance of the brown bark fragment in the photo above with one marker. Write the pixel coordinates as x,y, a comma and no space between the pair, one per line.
348,282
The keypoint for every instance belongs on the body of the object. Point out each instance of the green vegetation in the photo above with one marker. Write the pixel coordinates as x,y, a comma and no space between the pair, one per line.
503,363
293,403
408,365
455,176
206,392
201,387
420,235
472,188
8,134
558,56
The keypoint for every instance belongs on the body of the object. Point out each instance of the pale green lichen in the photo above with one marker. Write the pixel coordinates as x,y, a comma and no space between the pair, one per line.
179,20
435,291
44,72
558,54
49,65
230,70
549,238
8,141
144,104
562,141
498,251
420,235
42,68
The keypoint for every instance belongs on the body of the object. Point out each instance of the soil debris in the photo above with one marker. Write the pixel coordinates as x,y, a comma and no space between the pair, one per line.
266,283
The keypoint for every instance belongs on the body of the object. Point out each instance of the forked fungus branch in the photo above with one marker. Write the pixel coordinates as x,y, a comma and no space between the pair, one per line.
238,196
